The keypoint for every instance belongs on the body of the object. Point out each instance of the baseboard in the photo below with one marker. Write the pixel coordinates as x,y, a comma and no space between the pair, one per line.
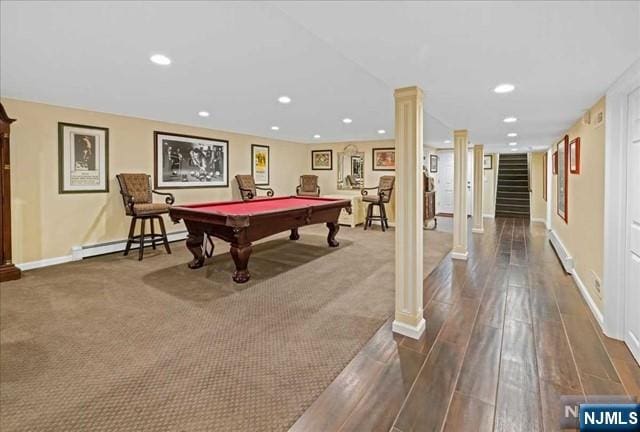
490,216
460,256
542,220
477,230
80,252
587,297
407,330
44,262
563,254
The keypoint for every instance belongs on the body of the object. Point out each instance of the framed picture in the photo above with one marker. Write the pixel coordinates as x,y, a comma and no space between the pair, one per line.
544,175
433,163
260,164
574,156
184,161
562,196
554,163
83,158
384,159
322,160
488,162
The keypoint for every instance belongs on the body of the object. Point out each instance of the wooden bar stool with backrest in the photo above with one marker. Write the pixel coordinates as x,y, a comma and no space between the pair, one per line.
382,197
308,186
248,188
138,203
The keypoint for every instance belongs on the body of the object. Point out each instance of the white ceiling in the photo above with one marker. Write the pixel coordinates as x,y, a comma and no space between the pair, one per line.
334,59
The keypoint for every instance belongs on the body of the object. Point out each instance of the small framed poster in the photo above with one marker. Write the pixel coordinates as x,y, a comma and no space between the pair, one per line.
83,158
488,162
384,159
574,156
433,163
186,162
322,160
554,163
260,164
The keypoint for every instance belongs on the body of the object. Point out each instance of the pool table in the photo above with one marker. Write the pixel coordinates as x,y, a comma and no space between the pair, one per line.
243,222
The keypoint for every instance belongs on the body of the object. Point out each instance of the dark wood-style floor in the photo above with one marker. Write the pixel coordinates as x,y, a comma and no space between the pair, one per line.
507,333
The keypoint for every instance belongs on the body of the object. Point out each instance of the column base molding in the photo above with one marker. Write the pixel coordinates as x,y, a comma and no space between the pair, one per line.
414,332
477,230
460,255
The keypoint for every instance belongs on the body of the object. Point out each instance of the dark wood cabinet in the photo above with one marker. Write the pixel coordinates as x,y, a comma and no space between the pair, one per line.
8,271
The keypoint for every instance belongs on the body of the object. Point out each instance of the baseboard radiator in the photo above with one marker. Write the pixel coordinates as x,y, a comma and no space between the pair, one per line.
563,255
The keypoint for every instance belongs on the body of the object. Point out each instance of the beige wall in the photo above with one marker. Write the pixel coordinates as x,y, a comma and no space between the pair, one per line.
538,204
47,224
583,234
328,180
489,188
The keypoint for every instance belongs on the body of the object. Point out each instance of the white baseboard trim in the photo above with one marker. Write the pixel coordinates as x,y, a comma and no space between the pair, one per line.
565,258
542,220
80,252
587,297
490,216
460,256
44,262
407,330
477,230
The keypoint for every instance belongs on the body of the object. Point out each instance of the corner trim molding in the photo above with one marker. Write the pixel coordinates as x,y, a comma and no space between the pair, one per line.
408,330
80,252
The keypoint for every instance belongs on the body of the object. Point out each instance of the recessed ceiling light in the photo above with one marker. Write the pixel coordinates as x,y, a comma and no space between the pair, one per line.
316,136
160,59
382,131
512,135
513,143
447,141
284,99
514,149
346,120
203,113
510,120
275,128
504,88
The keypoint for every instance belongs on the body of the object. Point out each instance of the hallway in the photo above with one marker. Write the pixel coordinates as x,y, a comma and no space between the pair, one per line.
507,334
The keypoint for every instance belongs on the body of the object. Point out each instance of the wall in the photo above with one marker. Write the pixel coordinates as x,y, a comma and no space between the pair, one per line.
583,234
538,204
489,189
47,224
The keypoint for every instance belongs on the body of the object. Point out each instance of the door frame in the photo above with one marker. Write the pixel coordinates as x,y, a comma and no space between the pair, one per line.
615,200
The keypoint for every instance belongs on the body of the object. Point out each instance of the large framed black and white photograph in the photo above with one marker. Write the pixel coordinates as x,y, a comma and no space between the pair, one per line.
185,161
83,158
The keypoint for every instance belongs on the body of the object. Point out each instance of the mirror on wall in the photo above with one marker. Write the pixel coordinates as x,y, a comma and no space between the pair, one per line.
350,168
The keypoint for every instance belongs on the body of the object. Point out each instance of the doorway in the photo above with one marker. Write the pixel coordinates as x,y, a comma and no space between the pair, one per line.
444,201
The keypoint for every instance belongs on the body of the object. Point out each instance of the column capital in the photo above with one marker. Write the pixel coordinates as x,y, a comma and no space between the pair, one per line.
405,92
460,132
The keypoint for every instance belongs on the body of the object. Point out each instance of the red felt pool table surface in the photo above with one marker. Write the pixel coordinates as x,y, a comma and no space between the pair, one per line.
258,206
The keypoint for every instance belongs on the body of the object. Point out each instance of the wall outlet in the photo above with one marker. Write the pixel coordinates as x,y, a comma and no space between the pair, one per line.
596,283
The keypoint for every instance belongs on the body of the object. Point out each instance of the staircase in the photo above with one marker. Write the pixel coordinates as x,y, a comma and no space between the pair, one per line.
512,199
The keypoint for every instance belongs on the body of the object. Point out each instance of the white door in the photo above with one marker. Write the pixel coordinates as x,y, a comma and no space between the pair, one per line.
470,183
444,196
632,271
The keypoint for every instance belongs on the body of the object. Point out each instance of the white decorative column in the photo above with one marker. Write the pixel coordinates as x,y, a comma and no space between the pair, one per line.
478,184
460,138
409,320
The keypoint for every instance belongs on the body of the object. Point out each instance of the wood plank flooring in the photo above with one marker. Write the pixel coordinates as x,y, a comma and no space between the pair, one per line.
507,334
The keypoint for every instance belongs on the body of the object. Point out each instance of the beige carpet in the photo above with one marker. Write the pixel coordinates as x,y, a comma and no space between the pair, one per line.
112,344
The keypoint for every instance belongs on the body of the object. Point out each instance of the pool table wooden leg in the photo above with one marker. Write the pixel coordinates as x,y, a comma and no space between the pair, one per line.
194,244
294,234
334,227
240,255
